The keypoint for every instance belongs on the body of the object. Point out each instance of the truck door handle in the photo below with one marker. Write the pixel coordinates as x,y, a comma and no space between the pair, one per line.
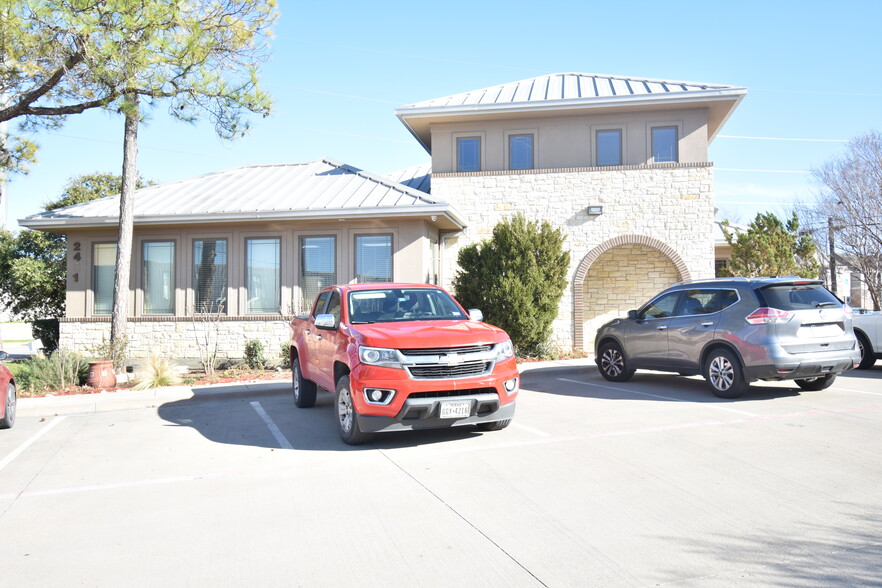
662,327
707,324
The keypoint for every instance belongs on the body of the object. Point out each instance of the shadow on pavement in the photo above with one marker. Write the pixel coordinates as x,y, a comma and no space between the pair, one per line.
229,416
586,382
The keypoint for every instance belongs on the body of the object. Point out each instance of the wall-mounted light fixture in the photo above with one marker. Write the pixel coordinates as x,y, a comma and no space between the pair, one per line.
594,210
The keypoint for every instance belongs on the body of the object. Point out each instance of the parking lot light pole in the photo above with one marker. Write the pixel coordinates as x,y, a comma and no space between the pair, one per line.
832,245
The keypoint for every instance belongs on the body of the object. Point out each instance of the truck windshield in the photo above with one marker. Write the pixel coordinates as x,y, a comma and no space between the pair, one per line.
385,305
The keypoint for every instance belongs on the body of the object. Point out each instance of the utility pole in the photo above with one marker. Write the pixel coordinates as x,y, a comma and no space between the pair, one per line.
832,245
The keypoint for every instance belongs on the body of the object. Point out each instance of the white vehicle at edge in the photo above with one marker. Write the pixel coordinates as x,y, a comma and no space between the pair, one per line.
868,330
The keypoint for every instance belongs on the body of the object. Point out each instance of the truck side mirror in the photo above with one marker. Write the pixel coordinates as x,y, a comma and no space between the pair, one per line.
325,321
475,315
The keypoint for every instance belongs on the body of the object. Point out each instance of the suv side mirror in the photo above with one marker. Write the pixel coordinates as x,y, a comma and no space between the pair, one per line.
475,315
325,321
632,314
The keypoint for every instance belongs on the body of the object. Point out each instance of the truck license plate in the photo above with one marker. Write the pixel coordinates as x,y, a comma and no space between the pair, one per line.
456,410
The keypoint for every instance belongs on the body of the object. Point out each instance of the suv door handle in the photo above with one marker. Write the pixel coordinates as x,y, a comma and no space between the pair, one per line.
707,324
662,327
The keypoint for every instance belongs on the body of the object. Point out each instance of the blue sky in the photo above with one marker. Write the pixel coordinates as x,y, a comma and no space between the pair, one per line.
339,70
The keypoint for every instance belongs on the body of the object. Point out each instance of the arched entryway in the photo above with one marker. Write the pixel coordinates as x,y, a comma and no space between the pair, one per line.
618,275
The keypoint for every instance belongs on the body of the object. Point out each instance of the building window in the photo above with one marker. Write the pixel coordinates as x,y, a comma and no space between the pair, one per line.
103,269
318,265
210,276
468,154
263,276
664,144
608,147
373,258
159,277
520,151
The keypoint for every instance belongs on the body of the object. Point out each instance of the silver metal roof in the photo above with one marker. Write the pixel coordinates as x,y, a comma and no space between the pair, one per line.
569,91
418,177
316,190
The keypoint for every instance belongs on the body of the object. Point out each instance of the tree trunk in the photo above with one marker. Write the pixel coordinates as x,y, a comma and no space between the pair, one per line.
124,242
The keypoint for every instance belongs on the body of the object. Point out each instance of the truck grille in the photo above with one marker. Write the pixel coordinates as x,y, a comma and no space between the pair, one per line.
440,372
446,350
452,393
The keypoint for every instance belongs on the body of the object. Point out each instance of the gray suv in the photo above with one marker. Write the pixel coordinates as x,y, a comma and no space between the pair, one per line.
734,331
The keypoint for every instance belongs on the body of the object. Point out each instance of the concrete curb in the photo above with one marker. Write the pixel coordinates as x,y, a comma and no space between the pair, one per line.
136,399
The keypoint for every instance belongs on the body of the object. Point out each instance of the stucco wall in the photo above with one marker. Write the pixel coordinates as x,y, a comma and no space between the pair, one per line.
671,204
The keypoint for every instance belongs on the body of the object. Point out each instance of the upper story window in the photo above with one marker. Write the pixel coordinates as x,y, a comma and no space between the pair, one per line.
664,144
608,147
373,258
103,269
159,277
520,151
263,276
210,276
468,154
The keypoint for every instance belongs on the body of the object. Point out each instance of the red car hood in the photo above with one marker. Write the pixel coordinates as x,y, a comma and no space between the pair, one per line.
427,334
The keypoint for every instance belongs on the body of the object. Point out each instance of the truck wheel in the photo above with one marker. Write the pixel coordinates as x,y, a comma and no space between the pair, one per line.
494,426
868,358
303,389
722,370
347,421
612,363
815,384
9,416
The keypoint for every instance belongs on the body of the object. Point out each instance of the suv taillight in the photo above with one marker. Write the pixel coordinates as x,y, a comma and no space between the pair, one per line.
764,316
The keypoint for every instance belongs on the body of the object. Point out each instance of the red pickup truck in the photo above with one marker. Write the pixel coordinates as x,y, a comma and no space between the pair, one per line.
400,357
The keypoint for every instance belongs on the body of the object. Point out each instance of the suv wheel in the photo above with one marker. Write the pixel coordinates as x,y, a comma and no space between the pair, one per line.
868,358
815,384
723,374
612,363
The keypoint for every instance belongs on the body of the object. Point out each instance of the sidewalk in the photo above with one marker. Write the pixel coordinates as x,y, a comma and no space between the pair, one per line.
136,399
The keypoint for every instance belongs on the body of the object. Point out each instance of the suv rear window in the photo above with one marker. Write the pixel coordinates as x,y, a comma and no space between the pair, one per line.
797,296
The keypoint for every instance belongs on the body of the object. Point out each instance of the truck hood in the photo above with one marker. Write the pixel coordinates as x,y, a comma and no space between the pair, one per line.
427,334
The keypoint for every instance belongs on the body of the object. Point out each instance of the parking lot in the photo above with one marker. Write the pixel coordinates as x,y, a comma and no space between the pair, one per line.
647,483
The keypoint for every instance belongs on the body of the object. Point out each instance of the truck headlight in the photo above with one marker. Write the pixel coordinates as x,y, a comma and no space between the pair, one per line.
379,356
504,350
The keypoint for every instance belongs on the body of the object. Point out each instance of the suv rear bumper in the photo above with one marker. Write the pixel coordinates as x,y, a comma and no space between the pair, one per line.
794,367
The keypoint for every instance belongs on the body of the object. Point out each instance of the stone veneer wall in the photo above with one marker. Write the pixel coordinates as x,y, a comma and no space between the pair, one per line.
669,204
180,338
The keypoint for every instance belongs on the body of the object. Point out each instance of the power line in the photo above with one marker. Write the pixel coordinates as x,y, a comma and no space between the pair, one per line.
783,139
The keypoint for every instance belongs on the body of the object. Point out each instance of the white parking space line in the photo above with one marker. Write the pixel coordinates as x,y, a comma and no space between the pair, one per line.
277,433
617,389
20,449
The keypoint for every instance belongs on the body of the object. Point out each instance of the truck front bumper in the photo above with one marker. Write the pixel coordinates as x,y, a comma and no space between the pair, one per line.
418,404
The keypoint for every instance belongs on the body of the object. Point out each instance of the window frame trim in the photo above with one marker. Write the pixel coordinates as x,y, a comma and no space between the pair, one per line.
482,145
243,304
142,281
190,299
507,148
621,128
90,303
378,233
676,125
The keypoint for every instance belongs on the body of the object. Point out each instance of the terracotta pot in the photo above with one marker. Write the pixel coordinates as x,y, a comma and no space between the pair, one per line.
101,374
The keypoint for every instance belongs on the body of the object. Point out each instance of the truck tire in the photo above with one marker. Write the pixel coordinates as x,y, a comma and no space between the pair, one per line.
347,416
304,390
494,426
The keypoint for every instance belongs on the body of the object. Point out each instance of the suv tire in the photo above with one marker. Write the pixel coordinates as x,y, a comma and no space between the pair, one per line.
815,384
868,358
612,363
723,373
